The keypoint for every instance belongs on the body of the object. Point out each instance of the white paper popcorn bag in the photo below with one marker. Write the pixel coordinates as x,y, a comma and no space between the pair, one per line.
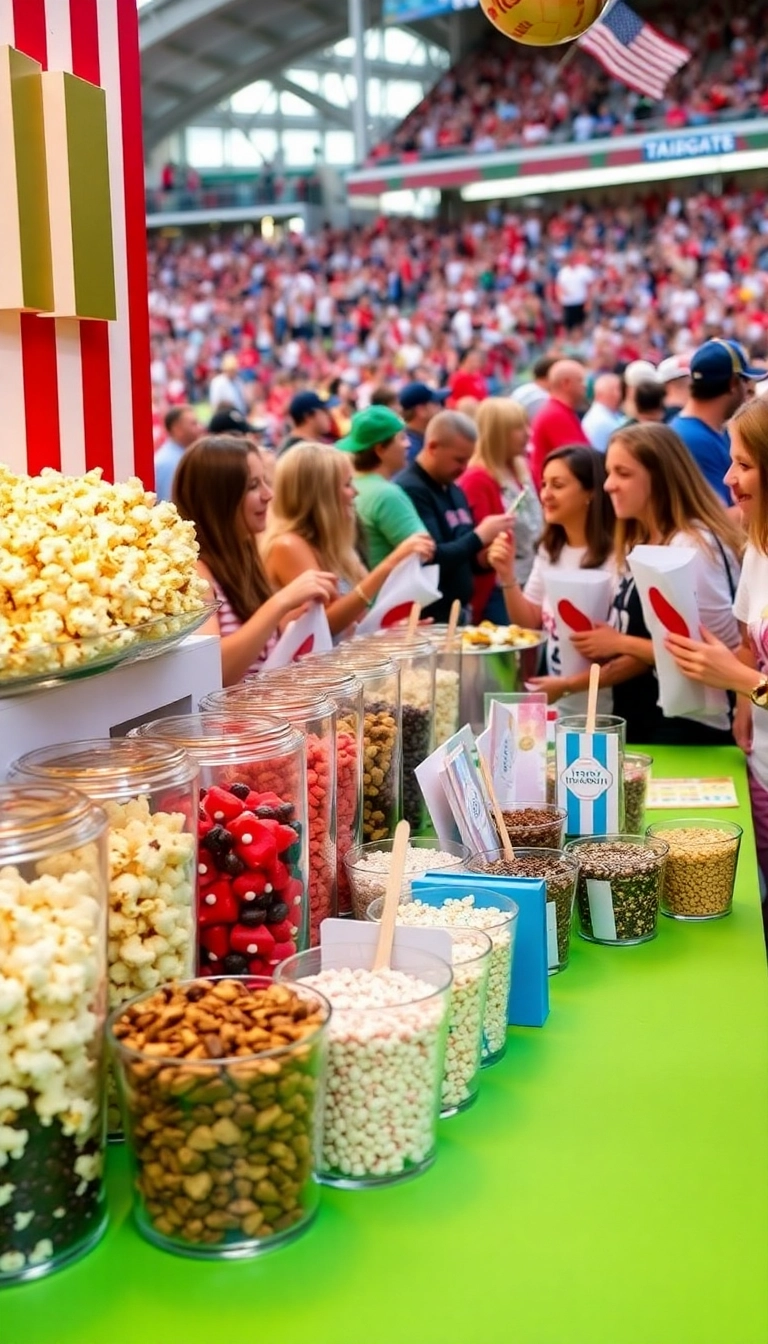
580,600
409,582
666,584
309,633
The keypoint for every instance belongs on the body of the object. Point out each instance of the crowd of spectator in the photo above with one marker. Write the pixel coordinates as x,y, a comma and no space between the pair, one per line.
503,96
248,323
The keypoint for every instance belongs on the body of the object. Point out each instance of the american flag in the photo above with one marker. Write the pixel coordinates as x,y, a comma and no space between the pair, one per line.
634,52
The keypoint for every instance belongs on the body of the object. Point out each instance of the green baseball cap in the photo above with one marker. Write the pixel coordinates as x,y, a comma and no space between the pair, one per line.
375,425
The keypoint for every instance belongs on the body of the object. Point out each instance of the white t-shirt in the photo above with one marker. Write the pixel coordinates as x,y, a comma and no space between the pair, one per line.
751,607
573,284
570,558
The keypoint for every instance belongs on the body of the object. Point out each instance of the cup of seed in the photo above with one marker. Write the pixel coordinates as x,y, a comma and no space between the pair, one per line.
701,867
637,774
535,825
560,872
619,887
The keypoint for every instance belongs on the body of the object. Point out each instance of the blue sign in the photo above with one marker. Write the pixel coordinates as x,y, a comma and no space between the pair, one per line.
410,11
688,145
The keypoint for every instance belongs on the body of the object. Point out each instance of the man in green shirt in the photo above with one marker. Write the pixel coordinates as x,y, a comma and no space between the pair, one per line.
379,445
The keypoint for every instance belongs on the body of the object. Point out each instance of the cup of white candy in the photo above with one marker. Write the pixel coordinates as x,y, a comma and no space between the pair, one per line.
471,956
496,915
368,867
387,1035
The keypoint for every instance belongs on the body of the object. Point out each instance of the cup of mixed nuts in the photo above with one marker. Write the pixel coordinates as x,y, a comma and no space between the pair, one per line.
221,1090
701,867
559,871
619,887
637,775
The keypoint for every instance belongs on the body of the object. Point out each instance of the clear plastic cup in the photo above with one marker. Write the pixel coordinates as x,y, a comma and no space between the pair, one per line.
535,825
637,776
471,959
619,888
223,1147
385,1063
701,867
560,872
368,867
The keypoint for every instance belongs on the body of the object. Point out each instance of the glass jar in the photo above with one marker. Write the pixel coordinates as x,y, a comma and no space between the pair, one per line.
457,906
470,960
223,1137
447,681
382,734
535,825
637,777
385,1066
559,871
53,990
345,691
149,793
619,888
315,718
590,774
701,866
368,867
416,659
252,906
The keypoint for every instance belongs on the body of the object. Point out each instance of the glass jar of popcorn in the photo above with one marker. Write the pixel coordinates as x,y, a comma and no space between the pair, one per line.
382,733
53,977
345,691
252,907
315,717
416,660
149,793
447,680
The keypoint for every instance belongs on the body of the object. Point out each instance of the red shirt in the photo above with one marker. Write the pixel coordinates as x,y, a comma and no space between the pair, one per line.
554,426
484,497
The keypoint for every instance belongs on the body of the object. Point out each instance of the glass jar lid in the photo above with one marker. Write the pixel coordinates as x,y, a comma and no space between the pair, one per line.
301,701
215,737
40,819
110,767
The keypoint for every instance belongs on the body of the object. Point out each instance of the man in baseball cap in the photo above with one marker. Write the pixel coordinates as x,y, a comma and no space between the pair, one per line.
311,420
419,403
675,373
720,371
230,421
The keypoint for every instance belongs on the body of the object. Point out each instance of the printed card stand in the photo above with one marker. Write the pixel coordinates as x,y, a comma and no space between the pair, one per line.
529,994
518,750
431,785
590,782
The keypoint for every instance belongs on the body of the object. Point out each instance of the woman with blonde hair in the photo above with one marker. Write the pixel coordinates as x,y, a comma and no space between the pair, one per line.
497,479
313,525
221,486
660,498
744,670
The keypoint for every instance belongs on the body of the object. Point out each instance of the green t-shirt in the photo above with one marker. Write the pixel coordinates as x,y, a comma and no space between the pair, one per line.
386,513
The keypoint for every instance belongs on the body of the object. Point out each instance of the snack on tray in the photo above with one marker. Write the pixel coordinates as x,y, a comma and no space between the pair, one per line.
487,636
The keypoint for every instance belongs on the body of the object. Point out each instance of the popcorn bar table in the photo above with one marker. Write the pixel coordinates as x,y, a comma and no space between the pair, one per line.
609,1187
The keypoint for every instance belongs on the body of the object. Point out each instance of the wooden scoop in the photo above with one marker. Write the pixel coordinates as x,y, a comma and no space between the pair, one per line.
453,621
506,843
413,619
383,954
594,687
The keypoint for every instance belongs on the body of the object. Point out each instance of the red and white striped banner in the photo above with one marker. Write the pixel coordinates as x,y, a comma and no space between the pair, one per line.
76,395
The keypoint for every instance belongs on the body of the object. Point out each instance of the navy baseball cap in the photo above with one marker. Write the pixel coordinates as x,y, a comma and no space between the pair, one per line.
232,422
718,361
418,394
303,405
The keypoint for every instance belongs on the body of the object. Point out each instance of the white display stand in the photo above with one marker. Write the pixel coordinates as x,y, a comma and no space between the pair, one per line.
109,703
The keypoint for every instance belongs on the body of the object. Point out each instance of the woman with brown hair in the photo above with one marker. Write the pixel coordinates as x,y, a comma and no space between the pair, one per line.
660,498
497,479
221,487
313,523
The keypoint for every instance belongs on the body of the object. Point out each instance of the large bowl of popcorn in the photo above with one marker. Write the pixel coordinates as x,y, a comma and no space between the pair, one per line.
90,574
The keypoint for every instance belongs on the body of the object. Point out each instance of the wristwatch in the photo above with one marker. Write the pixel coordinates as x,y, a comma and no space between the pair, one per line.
759,696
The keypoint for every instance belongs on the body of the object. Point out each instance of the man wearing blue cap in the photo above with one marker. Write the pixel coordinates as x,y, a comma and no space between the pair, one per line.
419,403
719,373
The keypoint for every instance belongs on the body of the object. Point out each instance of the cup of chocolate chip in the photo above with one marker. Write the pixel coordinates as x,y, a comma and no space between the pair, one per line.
619,888
535,825
559,871
637,774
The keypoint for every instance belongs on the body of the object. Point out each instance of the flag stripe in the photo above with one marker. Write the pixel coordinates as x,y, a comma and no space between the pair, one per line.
95,373
633,51
626,67
38,334
136,237
121,399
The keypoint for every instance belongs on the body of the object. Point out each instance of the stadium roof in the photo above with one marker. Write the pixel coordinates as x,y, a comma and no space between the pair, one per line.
195,53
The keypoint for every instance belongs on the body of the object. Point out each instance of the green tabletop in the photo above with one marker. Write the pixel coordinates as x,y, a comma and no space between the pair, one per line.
610,1186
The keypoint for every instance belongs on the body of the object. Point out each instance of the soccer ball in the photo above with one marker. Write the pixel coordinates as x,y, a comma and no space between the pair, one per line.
543,23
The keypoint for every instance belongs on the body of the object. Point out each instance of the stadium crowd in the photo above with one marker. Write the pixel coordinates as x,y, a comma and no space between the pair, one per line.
502,96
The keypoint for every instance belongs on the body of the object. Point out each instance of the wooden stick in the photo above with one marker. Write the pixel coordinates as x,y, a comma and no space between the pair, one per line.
594,687
383,954
453,621
506,843
413,619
